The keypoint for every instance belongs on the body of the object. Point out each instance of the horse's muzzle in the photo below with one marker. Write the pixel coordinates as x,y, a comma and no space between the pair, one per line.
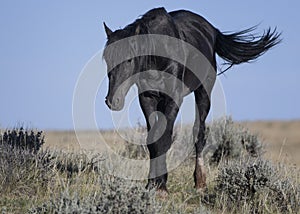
115,104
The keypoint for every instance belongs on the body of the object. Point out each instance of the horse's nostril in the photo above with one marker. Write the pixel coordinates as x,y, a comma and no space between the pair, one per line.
117,100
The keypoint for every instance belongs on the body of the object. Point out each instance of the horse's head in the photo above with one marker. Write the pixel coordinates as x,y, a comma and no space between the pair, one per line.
120,68
125,53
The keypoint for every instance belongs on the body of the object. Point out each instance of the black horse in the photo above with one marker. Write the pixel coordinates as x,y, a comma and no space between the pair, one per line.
168,56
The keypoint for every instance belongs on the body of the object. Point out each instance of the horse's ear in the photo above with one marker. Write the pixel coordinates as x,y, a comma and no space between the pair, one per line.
107,30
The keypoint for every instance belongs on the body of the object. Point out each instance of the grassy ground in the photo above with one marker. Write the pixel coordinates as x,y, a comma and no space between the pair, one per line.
64,180
282,139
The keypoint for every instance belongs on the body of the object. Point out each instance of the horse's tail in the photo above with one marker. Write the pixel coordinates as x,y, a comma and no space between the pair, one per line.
243,46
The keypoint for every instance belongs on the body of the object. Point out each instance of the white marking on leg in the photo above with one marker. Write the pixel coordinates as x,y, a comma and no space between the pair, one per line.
200,162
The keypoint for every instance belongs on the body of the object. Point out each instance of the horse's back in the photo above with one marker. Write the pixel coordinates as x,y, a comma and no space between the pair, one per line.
195,30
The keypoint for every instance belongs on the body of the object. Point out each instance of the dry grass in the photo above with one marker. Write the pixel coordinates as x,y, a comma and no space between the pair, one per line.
282,139
89,141
84,187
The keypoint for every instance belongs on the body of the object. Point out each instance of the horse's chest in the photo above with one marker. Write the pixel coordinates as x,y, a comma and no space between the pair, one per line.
157,81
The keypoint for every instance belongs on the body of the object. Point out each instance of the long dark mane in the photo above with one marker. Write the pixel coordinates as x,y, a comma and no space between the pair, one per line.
146,24
155,21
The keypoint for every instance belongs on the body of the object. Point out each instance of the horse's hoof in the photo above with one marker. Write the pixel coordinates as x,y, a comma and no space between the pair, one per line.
200,190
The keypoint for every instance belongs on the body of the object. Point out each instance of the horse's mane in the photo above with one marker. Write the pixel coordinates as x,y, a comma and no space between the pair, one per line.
155,21
149,22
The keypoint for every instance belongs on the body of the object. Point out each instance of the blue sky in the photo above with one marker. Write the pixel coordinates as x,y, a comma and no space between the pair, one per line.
45,44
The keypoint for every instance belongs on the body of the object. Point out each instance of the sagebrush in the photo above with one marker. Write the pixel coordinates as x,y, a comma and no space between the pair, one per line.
242,181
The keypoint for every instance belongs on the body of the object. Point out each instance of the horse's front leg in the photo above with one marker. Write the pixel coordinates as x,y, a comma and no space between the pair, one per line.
158,143
160,117
160,139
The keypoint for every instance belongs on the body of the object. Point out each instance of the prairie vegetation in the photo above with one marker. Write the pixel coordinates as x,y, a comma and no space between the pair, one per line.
51,174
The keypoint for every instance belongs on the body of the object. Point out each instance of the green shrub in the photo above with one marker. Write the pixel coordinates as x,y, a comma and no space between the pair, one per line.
23,139
22,173
116,196
135,146
72,164
255,186
123,196
226,140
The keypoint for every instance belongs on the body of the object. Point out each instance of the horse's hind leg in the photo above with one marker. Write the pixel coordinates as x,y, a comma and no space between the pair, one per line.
202,100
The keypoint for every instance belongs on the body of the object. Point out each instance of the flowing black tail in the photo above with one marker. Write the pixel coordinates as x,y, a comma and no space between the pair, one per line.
243,46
